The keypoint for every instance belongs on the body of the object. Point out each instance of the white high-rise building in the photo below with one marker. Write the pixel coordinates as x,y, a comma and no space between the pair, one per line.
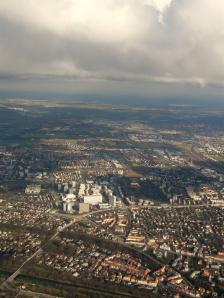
68,206
113,201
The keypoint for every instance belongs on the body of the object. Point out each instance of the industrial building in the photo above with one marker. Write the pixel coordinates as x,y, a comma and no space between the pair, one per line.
93,199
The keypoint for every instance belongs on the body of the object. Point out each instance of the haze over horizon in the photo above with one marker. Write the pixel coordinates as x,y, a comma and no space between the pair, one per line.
88,48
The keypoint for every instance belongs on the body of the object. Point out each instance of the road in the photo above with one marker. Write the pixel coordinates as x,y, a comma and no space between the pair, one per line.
26,293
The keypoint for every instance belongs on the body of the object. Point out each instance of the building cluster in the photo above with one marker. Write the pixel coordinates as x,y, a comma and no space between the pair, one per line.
207,194
211,147
192,236
32,212
115,221
16,246
119,267
33,189
84,197
207,273
23,164
89,227
183,229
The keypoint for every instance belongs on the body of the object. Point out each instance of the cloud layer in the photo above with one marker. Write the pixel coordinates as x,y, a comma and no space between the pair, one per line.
164,41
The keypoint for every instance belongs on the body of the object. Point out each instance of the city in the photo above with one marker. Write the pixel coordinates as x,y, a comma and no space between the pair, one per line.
112,195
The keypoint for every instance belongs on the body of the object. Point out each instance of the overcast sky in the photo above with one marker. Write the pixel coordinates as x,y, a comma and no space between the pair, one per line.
112,46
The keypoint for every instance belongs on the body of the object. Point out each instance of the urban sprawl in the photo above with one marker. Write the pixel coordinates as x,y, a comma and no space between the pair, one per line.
110,200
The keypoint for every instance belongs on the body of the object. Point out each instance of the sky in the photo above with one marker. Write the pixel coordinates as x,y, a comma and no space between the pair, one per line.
150,48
